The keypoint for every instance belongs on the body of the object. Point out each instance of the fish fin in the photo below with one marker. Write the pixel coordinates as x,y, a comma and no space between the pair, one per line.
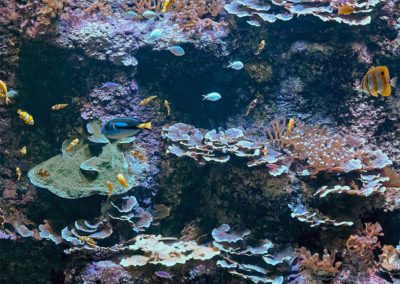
146,125
393,82
374,94
387,91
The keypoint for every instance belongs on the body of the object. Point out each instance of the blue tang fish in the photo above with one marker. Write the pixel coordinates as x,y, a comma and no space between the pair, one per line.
119,128
214,96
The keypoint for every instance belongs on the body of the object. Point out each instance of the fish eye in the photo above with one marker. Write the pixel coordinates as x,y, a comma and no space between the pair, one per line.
382,73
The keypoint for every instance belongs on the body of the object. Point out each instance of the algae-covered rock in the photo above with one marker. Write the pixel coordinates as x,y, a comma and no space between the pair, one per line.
86,170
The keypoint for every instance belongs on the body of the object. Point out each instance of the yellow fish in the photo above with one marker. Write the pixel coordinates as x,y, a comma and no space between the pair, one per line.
3,92
265,151
22,151
166,104
18,172
166,5
26,117
138,155
147,100
59,106
122,180
89,241
290,125
345,10
43,173
377,81
72,145
110,188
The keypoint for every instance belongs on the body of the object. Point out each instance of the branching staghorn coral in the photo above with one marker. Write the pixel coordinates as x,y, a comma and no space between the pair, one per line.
323,150
322,269
198,15
327,10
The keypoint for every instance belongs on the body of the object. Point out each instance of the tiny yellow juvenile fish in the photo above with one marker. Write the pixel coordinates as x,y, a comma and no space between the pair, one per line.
89,241
22,151
18,172
110,188
43,173
138,155
4,92
166,5
147,100
166,104
265,151
72,145
59,106
290,125
26,117
377,81
261,47
122,180
345,10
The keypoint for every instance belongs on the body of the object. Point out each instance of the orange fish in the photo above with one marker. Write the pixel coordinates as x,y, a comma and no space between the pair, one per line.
26,117
290,125
345,9
377,81
72,144
138,155
110,188
122,180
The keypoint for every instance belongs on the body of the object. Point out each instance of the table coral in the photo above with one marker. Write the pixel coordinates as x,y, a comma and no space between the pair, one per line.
285,10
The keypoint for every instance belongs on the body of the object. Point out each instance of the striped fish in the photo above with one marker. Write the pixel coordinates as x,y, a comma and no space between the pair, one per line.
26,117
377,81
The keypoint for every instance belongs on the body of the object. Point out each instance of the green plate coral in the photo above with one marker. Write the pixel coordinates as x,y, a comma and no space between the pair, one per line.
85,171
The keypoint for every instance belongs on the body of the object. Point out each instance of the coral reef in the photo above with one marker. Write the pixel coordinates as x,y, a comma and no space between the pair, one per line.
81,172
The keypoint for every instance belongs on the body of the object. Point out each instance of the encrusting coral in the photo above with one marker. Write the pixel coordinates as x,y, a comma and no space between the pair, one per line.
86,169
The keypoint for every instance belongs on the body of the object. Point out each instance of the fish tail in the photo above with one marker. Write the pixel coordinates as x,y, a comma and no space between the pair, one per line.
19,111
393,82
204,97
146,125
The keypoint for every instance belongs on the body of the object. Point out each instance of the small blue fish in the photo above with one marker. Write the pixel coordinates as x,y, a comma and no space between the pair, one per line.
109,85
214,96
155,35
149,15
237,65
164,274
129,15
177,50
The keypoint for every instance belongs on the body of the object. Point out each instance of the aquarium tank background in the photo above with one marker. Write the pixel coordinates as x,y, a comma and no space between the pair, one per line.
199,141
